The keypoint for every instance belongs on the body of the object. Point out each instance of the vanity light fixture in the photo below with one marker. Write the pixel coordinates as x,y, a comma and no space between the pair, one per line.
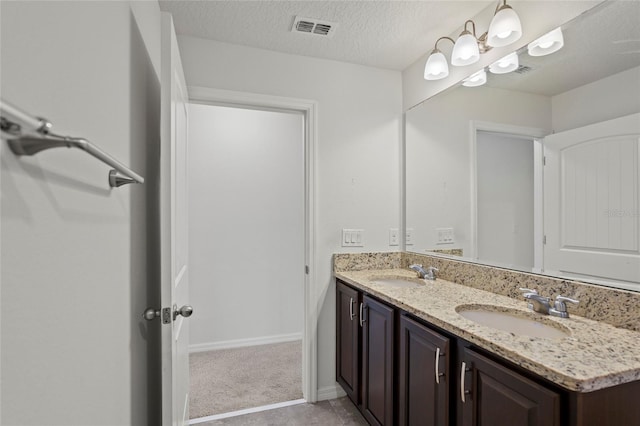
547,44
475,80
505,28
436,67
466,50
507,64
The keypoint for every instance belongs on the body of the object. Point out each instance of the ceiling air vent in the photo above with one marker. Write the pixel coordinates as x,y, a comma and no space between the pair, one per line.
313,27
523,69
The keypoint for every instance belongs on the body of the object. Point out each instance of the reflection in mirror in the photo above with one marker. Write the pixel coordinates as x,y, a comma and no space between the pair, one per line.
476,185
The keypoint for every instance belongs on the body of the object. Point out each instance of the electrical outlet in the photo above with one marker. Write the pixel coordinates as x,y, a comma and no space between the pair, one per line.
408,237
394,237
352,238
445,236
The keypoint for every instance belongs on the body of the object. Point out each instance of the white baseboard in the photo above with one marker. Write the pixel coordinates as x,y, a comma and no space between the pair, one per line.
254,341
331,392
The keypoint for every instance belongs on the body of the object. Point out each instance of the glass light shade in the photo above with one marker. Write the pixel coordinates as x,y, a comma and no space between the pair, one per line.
465,50
436,67
507,64
505,28
547,44
475,80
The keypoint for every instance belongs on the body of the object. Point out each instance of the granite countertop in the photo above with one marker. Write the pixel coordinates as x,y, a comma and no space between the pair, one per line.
594,356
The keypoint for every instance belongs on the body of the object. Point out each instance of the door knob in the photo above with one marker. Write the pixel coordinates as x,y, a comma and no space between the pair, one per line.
185,311
150,313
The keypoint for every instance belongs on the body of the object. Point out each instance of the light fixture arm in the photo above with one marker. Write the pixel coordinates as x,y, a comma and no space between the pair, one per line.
435,49
482,40
500,7
473,26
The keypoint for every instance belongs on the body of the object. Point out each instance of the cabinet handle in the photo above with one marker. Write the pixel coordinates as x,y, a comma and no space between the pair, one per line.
362,320
463,392
437,367
351,308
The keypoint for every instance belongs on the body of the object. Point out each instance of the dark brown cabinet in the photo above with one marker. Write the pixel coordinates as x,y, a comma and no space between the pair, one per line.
494,395
365,348
377,362
423,389
398,369
348,305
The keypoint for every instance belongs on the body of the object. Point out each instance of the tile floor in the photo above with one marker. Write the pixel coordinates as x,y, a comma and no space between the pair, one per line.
326,413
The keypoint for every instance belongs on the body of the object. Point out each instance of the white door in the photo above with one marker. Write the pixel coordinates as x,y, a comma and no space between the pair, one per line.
173,224
591,201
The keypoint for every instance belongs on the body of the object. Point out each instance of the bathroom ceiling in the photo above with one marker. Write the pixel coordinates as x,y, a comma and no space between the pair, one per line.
597,45
388,34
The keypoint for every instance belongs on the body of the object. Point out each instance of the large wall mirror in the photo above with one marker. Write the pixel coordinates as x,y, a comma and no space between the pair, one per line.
538,169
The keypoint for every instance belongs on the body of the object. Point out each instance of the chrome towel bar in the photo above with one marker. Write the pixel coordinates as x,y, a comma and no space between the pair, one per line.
30,135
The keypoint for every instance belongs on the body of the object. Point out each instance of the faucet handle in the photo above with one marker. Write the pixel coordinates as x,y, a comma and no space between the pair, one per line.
526,291
431,273
560,304
560,307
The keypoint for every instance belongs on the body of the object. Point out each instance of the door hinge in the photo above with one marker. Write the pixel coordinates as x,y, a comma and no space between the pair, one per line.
544,160
544,239
306,269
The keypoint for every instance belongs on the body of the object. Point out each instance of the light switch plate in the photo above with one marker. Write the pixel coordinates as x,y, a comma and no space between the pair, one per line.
408,237
394,237
353,238
445,236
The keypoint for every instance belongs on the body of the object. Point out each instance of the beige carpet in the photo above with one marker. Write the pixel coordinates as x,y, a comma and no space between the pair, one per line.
233,379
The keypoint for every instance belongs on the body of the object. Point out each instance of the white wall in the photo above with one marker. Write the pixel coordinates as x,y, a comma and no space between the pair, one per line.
505,200
612,97
246,225
537,18
358,148
438,152
75,260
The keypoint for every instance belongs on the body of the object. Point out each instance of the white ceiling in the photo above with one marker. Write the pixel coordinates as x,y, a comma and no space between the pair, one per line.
388,34
599,43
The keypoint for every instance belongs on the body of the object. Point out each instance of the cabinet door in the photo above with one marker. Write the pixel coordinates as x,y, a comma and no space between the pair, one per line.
498,396
377,362
423,394
348,340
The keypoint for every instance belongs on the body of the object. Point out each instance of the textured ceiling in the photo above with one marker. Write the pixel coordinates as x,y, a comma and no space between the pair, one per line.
600,43
385,34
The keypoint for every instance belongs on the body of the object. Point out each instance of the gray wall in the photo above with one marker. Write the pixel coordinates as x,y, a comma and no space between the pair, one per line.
246,226
505,201
75,254
358,150
612,97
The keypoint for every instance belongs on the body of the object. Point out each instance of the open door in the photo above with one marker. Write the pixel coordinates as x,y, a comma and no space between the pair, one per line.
173,223
592,200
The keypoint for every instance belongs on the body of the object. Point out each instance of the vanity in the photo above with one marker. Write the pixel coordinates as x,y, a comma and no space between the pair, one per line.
405,354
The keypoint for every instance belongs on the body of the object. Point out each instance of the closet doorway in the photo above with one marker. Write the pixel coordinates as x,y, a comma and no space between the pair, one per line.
249,250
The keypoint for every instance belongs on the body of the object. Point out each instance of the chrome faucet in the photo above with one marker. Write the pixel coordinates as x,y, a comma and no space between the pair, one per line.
538,303
428,274
542,305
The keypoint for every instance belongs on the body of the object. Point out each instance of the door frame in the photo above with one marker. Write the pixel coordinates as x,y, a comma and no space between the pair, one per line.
309,109
536,134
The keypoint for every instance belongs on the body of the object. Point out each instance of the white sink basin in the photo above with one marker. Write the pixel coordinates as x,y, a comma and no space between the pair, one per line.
514,321
398,282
